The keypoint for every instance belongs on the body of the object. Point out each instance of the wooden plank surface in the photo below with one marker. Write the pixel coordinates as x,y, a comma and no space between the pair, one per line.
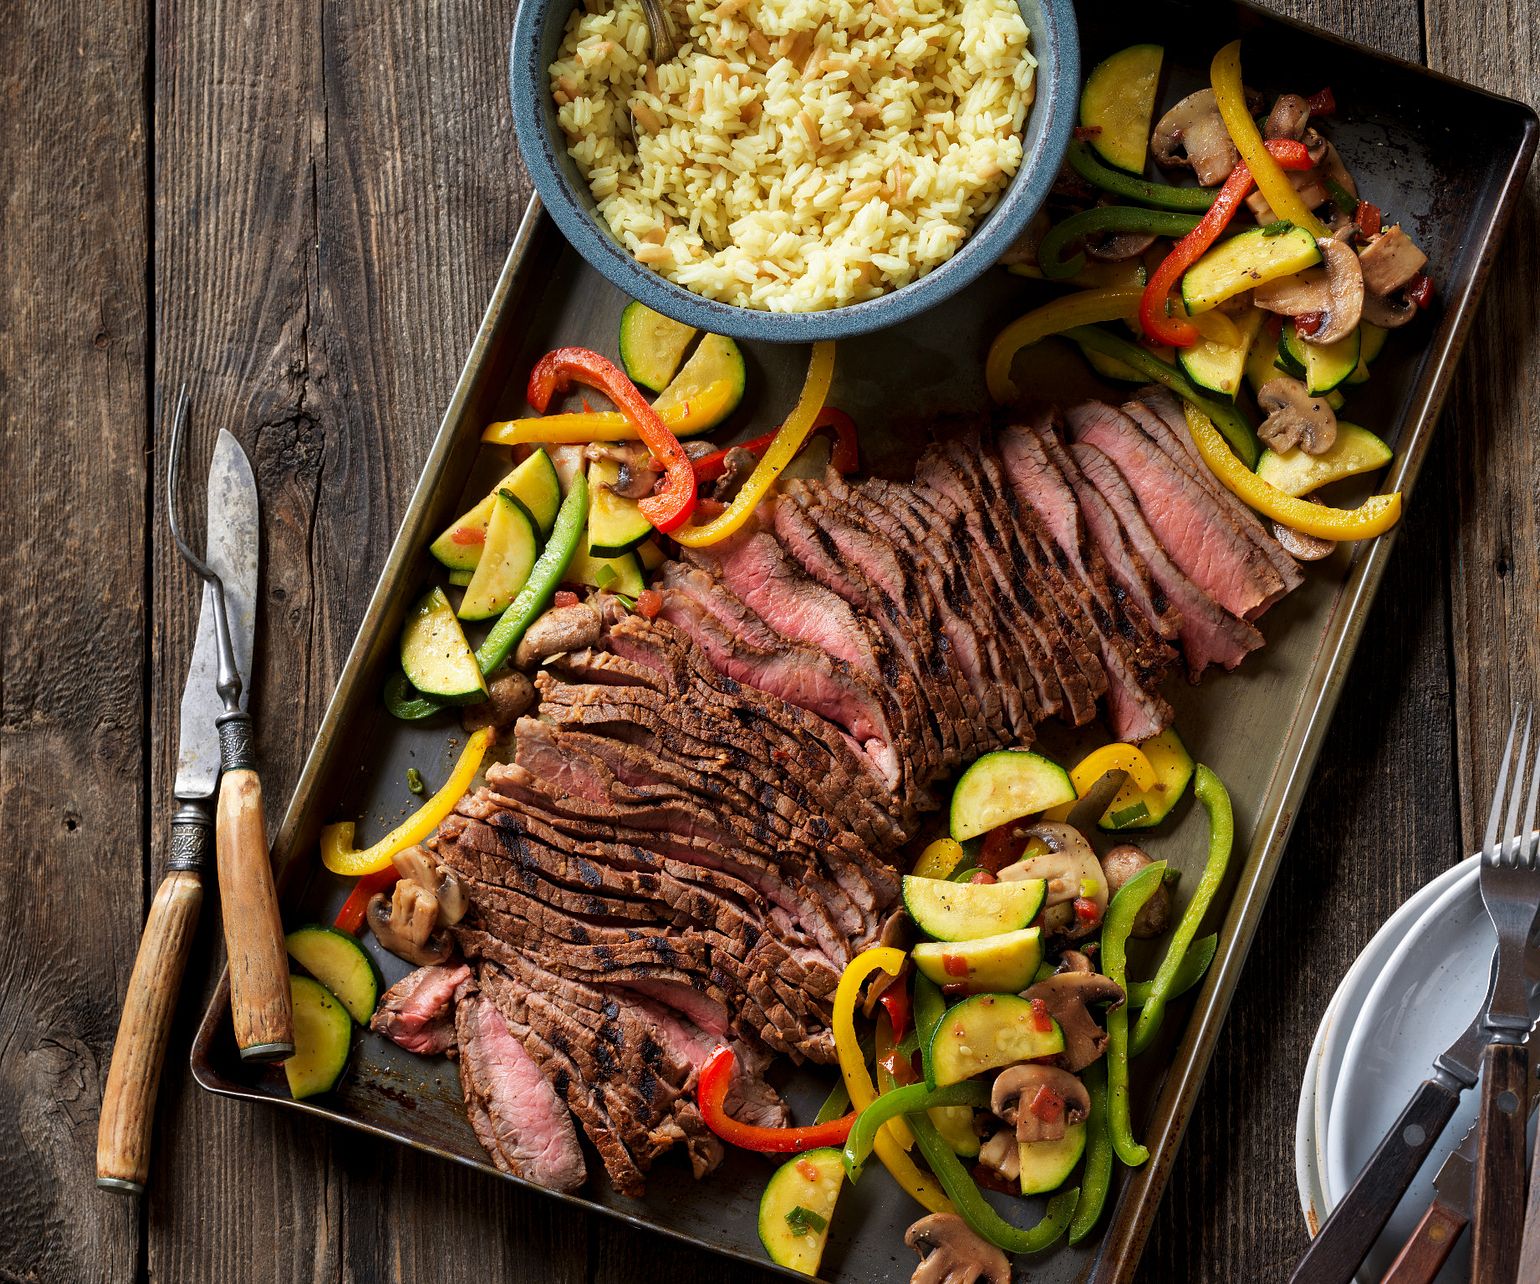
318,201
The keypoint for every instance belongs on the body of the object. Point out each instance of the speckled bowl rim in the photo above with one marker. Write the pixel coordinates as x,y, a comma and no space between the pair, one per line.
1056,46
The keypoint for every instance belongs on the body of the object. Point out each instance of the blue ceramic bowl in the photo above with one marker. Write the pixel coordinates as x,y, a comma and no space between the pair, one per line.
537,35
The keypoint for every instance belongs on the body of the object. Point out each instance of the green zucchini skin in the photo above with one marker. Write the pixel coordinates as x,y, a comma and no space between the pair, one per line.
1244,262
791,1188
1004,786
615,523
1046,1165
323,1038
651,345
435,656
948,911
340,964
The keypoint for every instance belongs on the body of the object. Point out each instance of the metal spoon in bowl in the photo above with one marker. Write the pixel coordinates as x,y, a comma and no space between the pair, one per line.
661,27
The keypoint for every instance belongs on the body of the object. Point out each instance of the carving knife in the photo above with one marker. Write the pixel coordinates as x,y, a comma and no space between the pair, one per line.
128,1103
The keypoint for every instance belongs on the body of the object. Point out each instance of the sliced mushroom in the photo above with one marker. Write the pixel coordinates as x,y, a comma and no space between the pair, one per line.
406,924
1307,182
1390,260
509,697
950,1253
1013,1095
1345,285
1121,864
1295,418
1389,311
1073,873
1315,145
1288,118
737,465
1192,135
895,933
1333,170
415,864
1307,548
1293,296
1067,995
563,628
1002,1154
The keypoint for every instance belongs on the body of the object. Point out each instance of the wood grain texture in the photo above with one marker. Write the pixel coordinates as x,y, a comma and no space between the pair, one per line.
1502,1168
1429,1247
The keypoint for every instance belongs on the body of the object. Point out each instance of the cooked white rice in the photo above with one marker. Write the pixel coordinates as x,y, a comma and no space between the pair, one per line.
797,154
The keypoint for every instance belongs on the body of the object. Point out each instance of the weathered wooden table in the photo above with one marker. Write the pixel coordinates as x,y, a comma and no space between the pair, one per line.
301,212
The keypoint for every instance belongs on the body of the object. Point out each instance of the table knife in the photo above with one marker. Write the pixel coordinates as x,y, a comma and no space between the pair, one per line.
1344,1241
128,1102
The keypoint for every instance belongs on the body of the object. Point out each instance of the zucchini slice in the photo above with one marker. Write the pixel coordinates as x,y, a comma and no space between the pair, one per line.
1243,263
536,488
1327,365
1291,352
1000,964
1136,808
1261,361
459,547
707,390
459,579
435,655
988,1031
651,345
1371,344
323,1037
1004,786
533,484
1118,102
1220,366
797,1207
339,963
948,911
955,1124
650,555
615,523
1356,450
1046,1165
510,552
621,574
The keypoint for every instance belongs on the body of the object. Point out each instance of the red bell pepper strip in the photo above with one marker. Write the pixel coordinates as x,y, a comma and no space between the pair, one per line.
895,999
845,457
557,371
1152,305
351,916
1420,290
1367,216
716,1077
1322,103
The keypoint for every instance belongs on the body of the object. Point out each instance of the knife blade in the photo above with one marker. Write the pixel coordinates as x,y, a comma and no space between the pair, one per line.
232,550
133,1080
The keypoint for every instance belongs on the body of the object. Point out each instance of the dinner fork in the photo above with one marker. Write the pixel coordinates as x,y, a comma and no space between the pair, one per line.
1510,889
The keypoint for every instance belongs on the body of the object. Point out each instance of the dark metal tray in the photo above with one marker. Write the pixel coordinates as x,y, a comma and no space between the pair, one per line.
1406,135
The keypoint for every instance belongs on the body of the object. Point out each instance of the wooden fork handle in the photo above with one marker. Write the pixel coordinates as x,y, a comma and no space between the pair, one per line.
1529,1254
1424,1254
259,970
1501,1164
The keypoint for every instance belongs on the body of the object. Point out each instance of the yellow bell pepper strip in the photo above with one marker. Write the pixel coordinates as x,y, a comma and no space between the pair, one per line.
341,857
1096,1175
1210,792
684,419
788,441
1272,182
1116,926
939,859
858,1083
1096,764
1081,308
1373,517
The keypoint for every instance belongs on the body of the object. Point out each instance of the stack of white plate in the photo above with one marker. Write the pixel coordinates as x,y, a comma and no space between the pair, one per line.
1405,999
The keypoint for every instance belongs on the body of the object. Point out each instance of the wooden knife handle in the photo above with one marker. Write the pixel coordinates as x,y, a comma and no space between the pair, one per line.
259,968
1501,1165
128,1105
1425,1253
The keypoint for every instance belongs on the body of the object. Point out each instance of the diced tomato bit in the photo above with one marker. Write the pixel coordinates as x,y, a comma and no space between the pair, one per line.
1086,911
1084,133
954,964
1047,1105
1002,847
807,1169
1042,1022
1420,289
982,876
1323,103
1309,322
564,597
1274,324
649,602
1367,216
467,535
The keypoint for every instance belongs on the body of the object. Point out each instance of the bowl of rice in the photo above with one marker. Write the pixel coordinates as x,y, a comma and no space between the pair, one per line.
800,169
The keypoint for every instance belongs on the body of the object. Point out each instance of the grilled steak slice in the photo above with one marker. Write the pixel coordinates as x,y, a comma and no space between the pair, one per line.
516,1114
1162,417
1199,537
417,1012
1125,564
1209,633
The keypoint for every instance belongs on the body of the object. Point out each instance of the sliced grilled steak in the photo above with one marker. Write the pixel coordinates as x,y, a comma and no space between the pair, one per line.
516,1114
417,1012
1209,633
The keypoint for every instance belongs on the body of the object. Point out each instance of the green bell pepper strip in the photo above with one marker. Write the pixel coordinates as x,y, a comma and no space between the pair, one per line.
915,1098
1096,1175
1119,922
404,701
929,1007
1226,418
976,1210
1209,791
1193,967
835,1104
1106,218
530,603
1183,200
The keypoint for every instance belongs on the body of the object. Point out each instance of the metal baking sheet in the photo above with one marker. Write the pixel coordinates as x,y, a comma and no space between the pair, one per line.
1406,135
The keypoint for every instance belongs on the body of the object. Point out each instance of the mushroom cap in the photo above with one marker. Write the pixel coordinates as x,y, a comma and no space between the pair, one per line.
1295,418
1192,135
1019,1083
1071,870
1066,995
1388,311
950,1253
1288,118
1345,285
1307,548
405,923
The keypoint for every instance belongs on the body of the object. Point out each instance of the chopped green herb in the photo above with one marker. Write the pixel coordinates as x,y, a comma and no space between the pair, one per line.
804,1221
1340,196
1278,228
1128,815
605,576
414,781
627,601
1172,877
